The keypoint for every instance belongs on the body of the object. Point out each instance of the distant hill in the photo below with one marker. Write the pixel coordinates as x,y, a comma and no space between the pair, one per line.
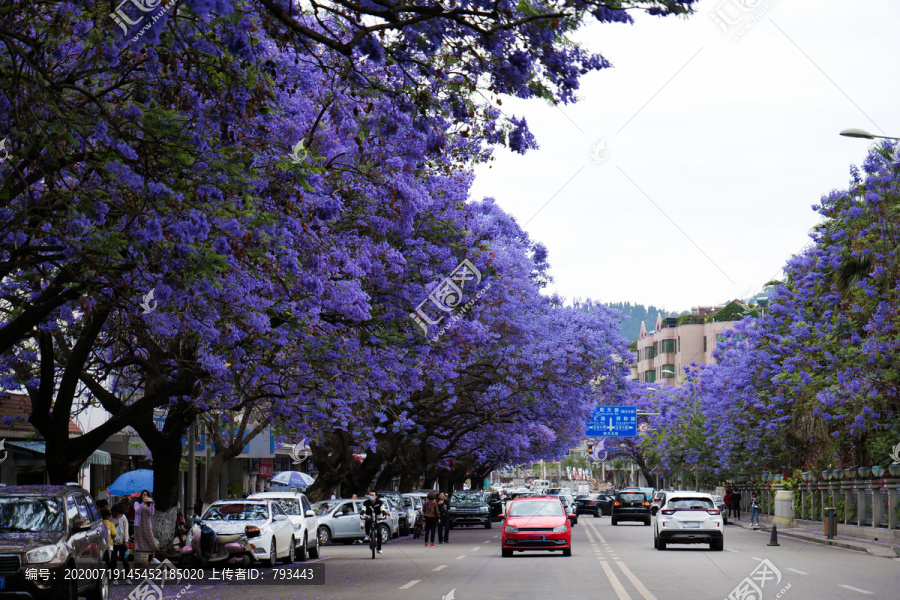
638,312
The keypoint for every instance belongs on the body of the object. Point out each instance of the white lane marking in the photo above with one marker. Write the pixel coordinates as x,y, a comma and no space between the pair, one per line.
409,585
487,541
439,567
730,550
460,556
614,581
589,537
798,571
853,589
642,590
496,536
756,558
475,548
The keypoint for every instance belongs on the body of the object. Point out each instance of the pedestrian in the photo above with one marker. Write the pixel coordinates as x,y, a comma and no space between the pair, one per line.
102,504
754,510
120,541
432,514
198,508
144,509
106,515
736,505
444,523
353,497
727,500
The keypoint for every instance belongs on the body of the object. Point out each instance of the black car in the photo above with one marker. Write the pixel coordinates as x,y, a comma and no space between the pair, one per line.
593,504
45,530
470,508
630,506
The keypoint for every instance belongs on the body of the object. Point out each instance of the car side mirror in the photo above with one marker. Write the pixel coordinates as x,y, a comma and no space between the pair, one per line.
502,516
279,518
80,525
572,516
310,513
654,510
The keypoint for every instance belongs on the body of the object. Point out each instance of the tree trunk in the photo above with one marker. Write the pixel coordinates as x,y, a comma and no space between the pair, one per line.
210,491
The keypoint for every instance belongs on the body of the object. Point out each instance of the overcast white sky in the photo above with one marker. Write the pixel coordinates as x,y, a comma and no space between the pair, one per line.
732,139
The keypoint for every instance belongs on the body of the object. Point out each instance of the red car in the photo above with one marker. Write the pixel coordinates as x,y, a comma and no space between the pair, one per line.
538,523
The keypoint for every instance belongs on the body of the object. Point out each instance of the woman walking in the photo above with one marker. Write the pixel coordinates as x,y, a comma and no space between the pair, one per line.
431,513
143,525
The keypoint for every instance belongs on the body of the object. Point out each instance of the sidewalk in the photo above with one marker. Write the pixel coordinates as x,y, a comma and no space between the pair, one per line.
887,549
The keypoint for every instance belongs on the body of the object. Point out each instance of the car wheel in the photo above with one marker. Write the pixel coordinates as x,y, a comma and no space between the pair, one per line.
598,513
615,522
655,542
488,525
717,545
385,534
507,553
567,551
289,559
647,523
101,590
660,544
314,551
324,536
273,554
302,554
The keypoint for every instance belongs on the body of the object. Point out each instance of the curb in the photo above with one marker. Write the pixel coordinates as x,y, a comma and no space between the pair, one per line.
858,547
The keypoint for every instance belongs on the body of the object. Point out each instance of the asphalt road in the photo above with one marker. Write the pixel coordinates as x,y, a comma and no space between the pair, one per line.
608,562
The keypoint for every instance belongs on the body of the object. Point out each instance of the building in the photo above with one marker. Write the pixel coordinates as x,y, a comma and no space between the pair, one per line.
676,342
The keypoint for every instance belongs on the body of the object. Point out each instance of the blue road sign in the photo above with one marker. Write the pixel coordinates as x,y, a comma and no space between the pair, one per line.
613,421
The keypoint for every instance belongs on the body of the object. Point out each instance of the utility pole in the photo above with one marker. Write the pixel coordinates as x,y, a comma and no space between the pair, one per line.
191,475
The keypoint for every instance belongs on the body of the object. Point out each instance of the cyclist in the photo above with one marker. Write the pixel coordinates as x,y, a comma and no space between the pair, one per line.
372,508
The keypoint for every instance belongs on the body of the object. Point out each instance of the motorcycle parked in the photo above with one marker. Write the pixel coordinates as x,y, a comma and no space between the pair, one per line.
207,548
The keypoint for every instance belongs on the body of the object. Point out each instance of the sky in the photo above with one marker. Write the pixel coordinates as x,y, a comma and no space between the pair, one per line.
686,174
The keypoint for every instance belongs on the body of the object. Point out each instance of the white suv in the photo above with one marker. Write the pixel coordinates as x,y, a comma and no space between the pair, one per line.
688,518
302,517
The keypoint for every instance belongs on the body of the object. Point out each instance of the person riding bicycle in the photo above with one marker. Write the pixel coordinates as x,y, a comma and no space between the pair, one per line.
372,508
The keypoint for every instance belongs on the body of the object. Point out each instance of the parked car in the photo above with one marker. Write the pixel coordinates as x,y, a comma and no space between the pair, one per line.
469,507
340,520
689,518
395,513
276,532
51,527
593,504
630,506
537,523
406,513
298,509
723,508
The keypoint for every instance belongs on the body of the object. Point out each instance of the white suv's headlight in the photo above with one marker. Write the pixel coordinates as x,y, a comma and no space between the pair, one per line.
559,529
41,555
484,509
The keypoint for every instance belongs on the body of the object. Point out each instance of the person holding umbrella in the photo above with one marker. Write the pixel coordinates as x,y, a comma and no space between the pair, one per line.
144,509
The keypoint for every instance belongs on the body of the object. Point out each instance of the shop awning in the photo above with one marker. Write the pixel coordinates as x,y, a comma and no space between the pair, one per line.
99,457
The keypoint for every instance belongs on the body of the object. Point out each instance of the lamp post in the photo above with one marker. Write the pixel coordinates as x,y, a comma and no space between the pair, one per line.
855,132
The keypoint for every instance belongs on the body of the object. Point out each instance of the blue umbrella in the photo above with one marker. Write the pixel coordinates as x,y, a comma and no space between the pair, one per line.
293,478
132,482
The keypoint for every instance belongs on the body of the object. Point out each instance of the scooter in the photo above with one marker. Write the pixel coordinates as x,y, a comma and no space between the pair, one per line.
207,548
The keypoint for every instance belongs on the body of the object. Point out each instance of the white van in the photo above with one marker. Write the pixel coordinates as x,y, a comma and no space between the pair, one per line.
540,485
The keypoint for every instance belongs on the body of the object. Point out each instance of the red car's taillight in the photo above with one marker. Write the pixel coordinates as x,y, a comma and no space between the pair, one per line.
668,511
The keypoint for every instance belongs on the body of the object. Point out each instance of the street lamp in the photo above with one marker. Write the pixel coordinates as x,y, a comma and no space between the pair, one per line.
854,132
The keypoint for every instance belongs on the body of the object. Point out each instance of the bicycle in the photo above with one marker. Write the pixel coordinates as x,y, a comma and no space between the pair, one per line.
375,532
